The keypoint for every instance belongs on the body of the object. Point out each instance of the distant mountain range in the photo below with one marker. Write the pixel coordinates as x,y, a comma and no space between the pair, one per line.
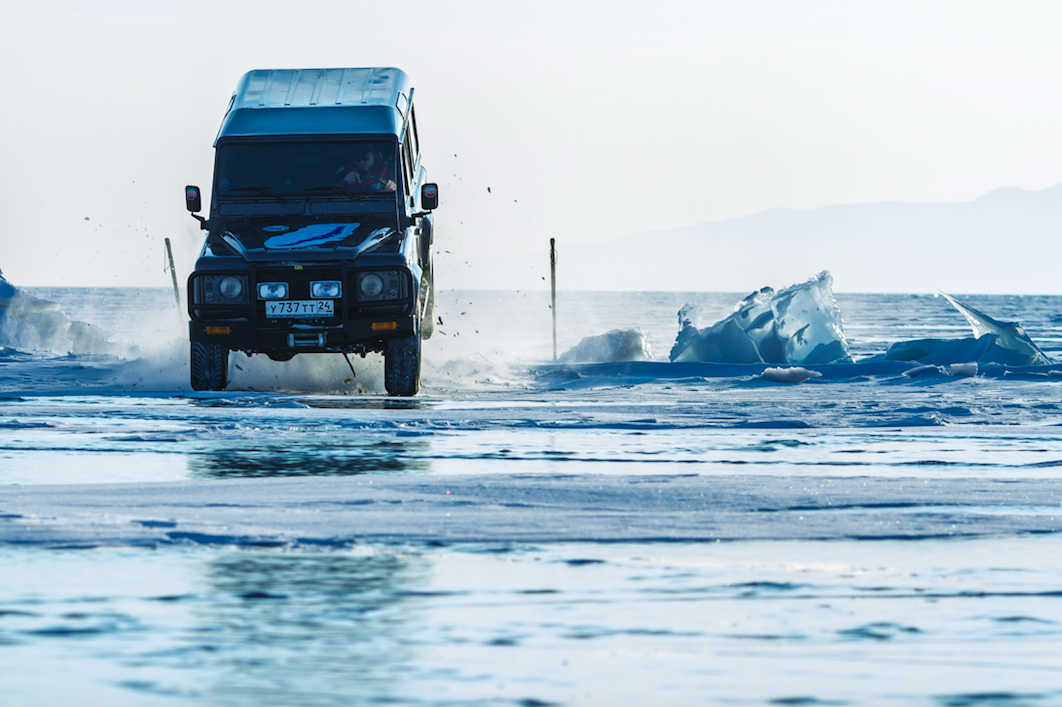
1006,242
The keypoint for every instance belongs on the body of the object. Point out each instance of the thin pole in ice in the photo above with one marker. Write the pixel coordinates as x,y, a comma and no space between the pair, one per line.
553,289
173,275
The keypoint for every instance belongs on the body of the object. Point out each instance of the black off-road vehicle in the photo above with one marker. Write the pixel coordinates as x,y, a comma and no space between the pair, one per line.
320,228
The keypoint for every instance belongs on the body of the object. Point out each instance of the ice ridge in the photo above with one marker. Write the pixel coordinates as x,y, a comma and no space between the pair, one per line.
1008,335
800,324
28,322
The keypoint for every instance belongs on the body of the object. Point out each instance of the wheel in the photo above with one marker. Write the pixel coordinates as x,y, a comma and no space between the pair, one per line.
402,365
210,366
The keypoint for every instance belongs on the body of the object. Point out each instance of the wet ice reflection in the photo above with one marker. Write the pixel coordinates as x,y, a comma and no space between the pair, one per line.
376,456
564,624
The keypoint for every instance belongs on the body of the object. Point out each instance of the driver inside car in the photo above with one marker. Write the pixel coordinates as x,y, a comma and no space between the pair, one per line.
367,172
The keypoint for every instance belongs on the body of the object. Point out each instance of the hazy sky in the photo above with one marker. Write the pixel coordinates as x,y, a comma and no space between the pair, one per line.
588,120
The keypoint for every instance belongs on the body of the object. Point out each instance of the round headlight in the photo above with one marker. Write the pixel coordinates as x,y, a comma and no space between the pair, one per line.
371,284
230,287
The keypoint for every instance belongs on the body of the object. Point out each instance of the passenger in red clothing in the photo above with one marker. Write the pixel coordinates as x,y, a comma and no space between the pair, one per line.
368,172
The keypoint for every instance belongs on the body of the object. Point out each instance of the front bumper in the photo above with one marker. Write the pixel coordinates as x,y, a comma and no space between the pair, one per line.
350,336
356,325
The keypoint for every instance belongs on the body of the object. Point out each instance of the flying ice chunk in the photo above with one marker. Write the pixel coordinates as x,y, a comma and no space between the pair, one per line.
798,325
614,346
993,341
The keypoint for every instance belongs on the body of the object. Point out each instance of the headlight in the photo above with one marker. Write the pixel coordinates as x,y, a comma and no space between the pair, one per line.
230,287
220,289
382,286
371,285
272,290
326,288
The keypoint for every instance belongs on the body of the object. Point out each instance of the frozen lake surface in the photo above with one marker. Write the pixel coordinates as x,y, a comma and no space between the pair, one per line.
526,533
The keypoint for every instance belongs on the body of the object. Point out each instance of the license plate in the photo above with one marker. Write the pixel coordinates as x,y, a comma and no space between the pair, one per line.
300,308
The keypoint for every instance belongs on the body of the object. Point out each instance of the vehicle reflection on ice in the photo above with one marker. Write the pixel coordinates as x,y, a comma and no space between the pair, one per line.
313,458
292,618
314,603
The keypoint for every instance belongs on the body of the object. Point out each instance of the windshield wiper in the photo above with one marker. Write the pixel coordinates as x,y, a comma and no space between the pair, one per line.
335,190
354,195
264,191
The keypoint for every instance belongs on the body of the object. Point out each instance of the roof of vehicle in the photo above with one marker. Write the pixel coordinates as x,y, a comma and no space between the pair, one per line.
278,102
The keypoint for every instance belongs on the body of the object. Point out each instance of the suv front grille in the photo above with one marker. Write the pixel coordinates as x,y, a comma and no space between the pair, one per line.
298,289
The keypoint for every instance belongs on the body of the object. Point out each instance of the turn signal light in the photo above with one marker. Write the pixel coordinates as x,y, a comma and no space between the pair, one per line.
384,326
217,330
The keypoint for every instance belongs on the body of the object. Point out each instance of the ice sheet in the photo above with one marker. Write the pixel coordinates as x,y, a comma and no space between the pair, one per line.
528,533
337,511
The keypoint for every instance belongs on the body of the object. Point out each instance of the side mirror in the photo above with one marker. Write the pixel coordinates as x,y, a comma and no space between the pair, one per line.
192,199
429,196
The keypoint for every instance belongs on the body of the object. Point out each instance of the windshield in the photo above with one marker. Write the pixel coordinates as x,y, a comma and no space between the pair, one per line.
306,169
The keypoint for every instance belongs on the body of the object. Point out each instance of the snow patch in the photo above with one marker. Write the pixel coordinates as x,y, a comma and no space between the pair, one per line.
927,370
792,374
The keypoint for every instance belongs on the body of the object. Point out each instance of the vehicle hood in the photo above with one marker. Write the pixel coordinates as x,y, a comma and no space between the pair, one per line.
268,239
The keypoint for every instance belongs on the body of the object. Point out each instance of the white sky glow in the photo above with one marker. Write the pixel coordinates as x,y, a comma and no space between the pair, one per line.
588,120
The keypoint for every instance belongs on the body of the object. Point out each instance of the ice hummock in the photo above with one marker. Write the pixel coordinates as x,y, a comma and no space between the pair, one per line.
615,346
798,325
7,291
28,322
993,341
1008,335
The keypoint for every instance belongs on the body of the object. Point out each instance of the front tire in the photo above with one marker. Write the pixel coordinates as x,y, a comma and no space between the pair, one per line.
209,366
402,365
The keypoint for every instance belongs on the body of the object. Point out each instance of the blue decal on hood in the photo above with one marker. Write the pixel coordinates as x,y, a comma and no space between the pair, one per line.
314,235
275,229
